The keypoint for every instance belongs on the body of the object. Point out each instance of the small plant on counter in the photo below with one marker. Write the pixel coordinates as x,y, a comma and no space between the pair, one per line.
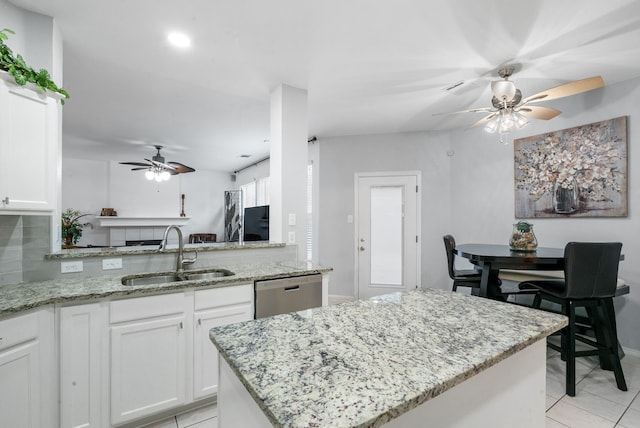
21,72
72,227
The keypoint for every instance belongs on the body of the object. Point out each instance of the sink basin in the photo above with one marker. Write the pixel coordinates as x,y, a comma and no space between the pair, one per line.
169,278
146,280
218,273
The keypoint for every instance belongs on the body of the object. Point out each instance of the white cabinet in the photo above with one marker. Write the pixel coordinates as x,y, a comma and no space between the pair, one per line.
26,386
29,149
82,357
148,355
213,308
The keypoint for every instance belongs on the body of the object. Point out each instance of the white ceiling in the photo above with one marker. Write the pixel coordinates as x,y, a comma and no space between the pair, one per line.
370,66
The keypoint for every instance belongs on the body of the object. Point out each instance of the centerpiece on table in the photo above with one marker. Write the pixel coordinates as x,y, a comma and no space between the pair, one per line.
522,237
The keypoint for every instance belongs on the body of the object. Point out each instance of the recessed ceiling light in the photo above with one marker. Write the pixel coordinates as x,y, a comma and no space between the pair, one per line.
179,39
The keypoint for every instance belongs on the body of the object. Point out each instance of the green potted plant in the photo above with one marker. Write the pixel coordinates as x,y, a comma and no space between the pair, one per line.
72,226
21,72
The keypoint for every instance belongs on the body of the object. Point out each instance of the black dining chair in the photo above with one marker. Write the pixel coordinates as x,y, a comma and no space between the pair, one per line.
590,280
461,278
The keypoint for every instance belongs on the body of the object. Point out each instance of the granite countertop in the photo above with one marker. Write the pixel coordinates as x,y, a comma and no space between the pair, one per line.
363,363
20,297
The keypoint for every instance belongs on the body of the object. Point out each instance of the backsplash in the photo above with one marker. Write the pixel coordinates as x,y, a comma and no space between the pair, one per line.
11,232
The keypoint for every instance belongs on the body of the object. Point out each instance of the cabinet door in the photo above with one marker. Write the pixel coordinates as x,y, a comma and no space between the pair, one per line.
148,367
26,385
81,330
205,362
29,150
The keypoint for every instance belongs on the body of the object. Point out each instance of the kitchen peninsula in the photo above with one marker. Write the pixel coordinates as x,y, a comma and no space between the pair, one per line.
421,358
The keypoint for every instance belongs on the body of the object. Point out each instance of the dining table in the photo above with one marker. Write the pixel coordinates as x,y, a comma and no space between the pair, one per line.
491,258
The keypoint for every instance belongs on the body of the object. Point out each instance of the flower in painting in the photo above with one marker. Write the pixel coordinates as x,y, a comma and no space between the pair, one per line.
587,157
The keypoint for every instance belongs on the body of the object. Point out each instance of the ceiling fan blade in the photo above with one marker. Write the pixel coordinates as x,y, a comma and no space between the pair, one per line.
566,90
473,110
160,164
140,169
136,164
539,112
181,168
484,120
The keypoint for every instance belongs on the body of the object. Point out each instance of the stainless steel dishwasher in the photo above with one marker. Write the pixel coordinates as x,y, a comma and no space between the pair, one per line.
284,295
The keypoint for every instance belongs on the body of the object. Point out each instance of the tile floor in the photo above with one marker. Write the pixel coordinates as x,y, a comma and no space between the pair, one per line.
597,404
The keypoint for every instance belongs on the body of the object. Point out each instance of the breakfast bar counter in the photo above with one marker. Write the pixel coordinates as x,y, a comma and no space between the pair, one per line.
420,358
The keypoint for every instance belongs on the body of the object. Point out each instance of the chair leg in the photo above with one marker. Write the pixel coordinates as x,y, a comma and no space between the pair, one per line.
570,346
537,301
609,320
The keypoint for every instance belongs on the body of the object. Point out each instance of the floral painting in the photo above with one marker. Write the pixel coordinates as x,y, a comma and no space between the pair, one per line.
576,172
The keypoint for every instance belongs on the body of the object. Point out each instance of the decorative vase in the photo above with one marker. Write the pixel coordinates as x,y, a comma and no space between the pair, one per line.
523,238
68,240
565,197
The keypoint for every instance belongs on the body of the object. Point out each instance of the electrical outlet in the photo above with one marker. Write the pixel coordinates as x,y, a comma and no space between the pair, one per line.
69,267
108,264
292,219
292,238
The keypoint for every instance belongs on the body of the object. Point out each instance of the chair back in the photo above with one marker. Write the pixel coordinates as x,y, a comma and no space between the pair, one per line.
591,269
449,246
196,238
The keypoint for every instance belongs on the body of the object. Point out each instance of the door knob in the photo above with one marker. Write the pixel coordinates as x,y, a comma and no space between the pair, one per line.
361,248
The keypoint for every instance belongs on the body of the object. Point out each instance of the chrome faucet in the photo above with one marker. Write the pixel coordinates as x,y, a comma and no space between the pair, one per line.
181,260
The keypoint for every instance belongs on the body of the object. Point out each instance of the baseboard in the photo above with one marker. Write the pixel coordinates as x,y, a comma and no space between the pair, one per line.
336,298
631,351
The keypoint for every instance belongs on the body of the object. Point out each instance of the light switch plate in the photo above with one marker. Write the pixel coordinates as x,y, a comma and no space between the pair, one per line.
292,238
292,219
108,264
69,267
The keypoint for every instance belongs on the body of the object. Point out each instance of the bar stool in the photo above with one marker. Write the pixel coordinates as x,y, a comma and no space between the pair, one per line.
590,281
461,278
196,238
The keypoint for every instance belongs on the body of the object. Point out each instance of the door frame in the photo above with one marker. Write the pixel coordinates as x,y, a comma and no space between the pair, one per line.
356,222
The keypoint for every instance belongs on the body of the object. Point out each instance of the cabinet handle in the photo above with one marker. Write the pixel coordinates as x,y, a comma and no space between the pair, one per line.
180,324
5,201
199,321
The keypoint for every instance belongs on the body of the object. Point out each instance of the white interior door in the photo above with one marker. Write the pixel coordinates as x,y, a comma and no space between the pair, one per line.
387,230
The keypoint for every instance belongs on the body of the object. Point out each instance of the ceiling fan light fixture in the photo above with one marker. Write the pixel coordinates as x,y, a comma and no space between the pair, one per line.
149,175
520,120
492,126
504,90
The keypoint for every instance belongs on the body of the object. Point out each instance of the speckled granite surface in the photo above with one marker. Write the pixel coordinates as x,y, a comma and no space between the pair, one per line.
363,363
153,249
29,295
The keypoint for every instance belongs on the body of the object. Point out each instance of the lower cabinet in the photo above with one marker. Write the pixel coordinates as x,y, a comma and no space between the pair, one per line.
27,395
148,355
214,308
129,359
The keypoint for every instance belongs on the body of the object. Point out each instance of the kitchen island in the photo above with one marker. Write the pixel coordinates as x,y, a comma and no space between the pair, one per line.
420,358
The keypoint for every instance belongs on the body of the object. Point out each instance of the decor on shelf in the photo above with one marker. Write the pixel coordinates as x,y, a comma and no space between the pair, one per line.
72,226
21,72
182,213
522,237
575,172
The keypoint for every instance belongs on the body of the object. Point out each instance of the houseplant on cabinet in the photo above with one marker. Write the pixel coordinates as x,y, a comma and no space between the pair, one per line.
72,226
21,72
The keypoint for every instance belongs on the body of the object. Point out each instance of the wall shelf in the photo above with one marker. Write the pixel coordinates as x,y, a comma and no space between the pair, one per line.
115,221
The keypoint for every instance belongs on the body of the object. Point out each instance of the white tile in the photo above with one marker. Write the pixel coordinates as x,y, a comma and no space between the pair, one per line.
576,417
209,423
550,401
596,404
631,419
550,423
197,415
635,404
603,383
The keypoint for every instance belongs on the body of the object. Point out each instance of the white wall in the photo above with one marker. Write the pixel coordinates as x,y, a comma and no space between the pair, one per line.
252,173
89,186
482,182
341,158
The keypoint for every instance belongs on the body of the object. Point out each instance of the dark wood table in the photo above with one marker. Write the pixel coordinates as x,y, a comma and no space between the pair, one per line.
490,258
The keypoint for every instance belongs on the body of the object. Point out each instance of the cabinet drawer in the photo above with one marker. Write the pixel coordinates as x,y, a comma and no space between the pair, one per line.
20,329
146,307
223,296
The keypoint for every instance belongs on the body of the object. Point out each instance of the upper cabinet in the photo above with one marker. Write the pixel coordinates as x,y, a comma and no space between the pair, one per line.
30,145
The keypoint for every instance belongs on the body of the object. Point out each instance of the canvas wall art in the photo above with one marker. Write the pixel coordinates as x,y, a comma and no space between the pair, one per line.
575,172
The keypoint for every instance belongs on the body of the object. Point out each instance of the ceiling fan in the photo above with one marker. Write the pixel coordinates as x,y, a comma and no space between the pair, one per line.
157,169
510,110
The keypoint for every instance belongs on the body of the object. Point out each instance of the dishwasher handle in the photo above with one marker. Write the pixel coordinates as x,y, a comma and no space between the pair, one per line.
294,288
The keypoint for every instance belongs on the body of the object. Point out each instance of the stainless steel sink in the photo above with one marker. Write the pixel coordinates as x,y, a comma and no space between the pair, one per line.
207,275
146,280
169,278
